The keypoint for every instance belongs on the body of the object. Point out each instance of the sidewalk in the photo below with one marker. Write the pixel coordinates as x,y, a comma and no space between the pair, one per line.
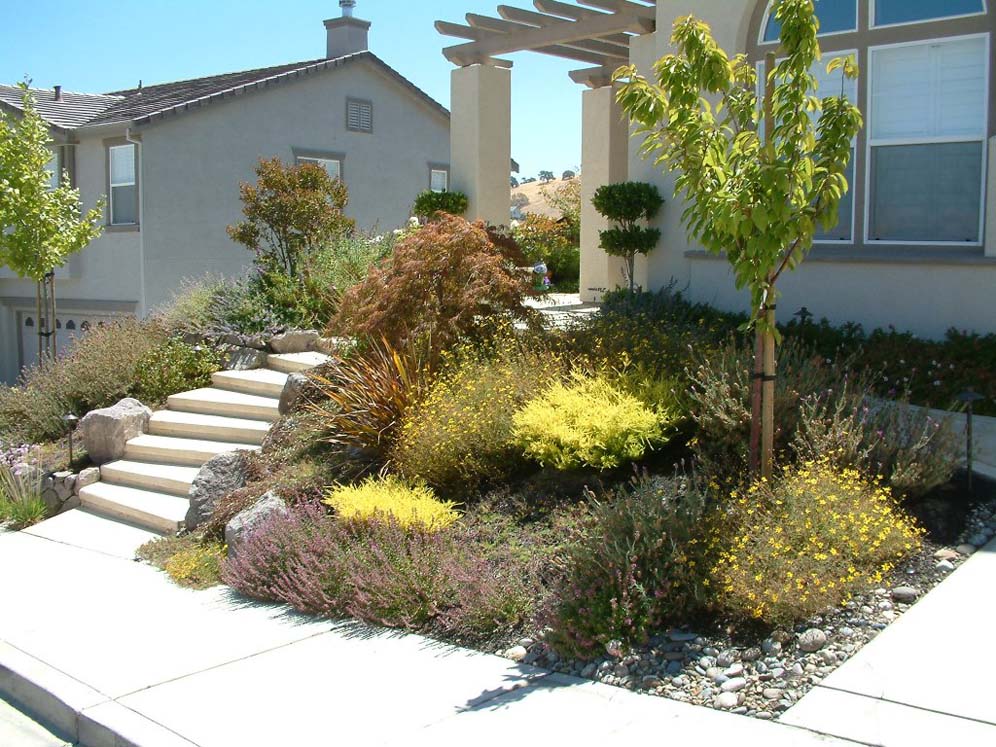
925,680
108,652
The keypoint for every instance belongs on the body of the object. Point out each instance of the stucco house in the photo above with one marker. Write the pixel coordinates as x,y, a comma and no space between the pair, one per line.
170,157
916,242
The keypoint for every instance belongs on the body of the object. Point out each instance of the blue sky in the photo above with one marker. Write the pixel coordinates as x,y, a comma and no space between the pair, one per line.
99,47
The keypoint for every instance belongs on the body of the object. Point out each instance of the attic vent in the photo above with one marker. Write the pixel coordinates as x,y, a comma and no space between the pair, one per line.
359,116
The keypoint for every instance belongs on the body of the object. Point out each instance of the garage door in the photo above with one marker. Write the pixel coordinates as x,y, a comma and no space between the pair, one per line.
68,327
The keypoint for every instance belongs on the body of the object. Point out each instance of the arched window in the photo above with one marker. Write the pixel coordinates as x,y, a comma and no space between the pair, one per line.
836,16
917,176
29,322
70,325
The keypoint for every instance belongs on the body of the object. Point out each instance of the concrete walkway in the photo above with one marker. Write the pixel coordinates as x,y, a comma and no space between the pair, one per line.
925,680
109,652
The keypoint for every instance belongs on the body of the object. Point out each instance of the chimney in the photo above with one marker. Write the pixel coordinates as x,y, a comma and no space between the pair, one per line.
58,93
346,35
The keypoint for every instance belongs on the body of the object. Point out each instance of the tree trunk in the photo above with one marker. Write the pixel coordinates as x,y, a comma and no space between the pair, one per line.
755,404
39,322
768,391
631,264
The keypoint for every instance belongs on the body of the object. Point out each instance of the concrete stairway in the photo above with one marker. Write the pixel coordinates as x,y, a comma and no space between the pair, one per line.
149,486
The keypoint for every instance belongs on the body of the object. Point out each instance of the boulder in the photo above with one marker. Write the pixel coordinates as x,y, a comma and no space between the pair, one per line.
293,389
238,530
106,431
333,345
217,478
243,358
294,341
85,478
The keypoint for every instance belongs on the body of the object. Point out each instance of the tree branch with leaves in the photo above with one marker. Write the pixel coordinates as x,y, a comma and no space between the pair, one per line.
759,173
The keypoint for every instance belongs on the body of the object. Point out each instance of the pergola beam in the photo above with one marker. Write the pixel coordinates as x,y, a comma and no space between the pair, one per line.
531,18
622,6
544,39
500,26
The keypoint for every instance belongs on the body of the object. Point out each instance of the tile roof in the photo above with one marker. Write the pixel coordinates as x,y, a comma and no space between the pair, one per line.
74,110
150,103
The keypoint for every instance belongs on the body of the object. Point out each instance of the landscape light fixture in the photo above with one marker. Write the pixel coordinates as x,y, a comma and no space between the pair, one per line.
70,420
969,397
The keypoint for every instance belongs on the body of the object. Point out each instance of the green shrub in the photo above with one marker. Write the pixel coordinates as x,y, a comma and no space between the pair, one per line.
550,241
389,498
627,569
173,366
98,370
458,435
429,204
626,204
587,422
912,451
21,504
788,551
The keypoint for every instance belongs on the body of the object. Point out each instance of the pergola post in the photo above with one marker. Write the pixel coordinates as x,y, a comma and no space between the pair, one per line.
481,140
604,160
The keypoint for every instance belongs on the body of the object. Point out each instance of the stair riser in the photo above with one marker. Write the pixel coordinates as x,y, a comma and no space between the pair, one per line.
288,367
259,388
114,510
206,433
186,458
249,412
146,482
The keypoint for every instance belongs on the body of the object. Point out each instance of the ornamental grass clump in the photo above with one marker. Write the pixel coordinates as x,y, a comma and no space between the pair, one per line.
458,435
628,570
390,498
587,422
786,551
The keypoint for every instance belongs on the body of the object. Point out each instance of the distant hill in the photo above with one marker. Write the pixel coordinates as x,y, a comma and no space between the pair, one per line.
537,202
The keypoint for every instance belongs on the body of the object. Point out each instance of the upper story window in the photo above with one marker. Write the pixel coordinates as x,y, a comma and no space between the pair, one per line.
439,180
123,185
894,12
332,165
836,16
54,169
359,115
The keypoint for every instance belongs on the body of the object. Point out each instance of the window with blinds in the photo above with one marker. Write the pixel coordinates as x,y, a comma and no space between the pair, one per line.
359,115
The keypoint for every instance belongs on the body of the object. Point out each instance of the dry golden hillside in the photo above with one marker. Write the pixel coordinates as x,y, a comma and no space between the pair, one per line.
537,202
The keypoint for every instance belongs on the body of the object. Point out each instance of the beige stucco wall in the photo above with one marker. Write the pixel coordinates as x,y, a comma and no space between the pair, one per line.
194,163
103,277
924,290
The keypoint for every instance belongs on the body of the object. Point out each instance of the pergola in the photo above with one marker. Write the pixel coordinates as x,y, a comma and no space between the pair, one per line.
600,34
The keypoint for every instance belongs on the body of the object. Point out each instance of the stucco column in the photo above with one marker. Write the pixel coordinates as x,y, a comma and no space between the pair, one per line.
481,140
990,250
604,160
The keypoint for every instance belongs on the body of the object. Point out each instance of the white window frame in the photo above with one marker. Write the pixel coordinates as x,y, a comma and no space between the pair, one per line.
852,192
111,183
871,142
873,24
767,17
319,160
444,172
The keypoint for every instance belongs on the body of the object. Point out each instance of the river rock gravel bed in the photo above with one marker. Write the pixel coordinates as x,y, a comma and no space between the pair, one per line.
764,677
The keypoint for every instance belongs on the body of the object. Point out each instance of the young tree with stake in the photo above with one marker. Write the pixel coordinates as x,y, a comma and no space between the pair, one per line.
759,174
40,227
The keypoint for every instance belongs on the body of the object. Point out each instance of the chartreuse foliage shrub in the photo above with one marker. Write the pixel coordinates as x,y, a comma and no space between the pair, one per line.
587,422
786,551
458,435
627,568
429,204
391,498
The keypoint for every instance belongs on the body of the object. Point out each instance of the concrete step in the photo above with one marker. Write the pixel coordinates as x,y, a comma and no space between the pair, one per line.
213,401
262,381
294,362
161,478
208,427
159,512
190,452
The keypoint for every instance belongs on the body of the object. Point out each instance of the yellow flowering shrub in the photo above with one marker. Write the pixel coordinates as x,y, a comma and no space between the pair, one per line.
390,497
197,566
459,434
789,550
587,422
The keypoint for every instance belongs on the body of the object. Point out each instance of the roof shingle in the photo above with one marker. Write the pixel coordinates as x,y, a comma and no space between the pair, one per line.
72,111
